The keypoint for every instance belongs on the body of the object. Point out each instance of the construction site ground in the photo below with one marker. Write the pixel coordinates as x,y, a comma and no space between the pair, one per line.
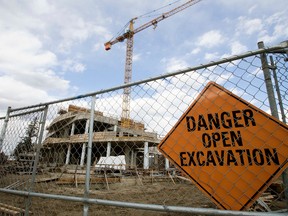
161,190
164,192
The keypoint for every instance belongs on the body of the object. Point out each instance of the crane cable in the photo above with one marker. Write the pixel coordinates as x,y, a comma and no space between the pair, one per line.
121,31
146,15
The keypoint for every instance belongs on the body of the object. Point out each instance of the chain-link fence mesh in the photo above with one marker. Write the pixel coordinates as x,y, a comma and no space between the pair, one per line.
62,148
278,64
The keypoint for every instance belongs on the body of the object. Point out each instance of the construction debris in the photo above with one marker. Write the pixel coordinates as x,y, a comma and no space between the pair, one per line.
6,209
70,179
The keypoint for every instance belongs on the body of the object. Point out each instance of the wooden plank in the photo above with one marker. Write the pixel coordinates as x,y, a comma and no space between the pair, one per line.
11,210
8,211
13,185
47,179
95,180
106,180
183,178
171,178
76,177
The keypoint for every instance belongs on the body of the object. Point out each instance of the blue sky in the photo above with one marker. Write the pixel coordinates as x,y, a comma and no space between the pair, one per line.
54,49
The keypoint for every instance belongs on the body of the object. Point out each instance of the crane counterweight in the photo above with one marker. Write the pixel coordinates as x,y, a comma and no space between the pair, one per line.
107,46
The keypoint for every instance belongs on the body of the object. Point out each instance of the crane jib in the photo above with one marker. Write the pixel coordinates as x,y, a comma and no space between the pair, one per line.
154,21
129,52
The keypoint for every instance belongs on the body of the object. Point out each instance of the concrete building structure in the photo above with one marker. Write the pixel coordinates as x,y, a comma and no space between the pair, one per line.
67,140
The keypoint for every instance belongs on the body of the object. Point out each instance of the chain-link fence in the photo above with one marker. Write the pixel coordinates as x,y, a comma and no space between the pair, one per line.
78,155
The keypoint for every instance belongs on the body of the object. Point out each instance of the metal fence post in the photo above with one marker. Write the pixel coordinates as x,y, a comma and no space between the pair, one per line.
273,67
3,131
89,153
268,82
37,156
39,143
272,103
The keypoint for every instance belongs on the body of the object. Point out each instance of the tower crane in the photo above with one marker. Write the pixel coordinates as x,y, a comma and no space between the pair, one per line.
129,35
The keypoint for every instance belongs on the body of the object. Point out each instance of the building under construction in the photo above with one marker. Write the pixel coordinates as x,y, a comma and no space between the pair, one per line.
68,134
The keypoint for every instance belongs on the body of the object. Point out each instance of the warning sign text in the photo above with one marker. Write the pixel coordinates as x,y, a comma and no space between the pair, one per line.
230,137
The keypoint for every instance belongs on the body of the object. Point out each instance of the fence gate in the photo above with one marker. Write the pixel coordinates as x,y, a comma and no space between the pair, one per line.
175,153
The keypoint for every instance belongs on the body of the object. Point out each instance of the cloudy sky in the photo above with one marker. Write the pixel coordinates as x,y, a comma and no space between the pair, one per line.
54,49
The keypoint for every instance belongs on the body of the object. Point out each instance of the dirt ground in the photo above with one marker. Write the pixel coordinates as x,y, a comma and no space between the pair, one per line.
162,193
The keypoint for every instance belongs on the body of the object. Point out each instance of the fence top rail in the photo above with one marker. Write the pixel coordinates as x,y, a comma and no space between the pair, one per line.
282,47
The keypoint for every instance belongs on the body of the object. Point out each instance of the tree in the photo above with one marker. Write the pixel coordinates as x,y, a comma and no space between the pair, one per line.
26,145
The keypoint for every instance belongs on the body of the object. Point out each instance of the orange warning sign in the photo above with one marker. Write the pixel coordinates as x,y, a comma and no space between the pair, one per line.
229,148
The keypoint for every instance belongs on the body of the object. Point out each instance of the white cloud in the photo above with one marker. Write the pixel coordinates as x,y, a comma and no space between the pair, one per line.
136,57
276,27
22,50
71,65
237,48
79,67
211,56
41,7
30,33
252,9
195,51
24,59
20,15
26,69
75,28
249,26
174,64
78,29
16,93
210,39
98,46
45,80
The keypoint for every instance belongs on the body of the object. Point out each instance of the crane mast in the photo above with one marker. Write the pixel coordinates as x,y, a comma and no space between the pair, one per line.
129,35
125,117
